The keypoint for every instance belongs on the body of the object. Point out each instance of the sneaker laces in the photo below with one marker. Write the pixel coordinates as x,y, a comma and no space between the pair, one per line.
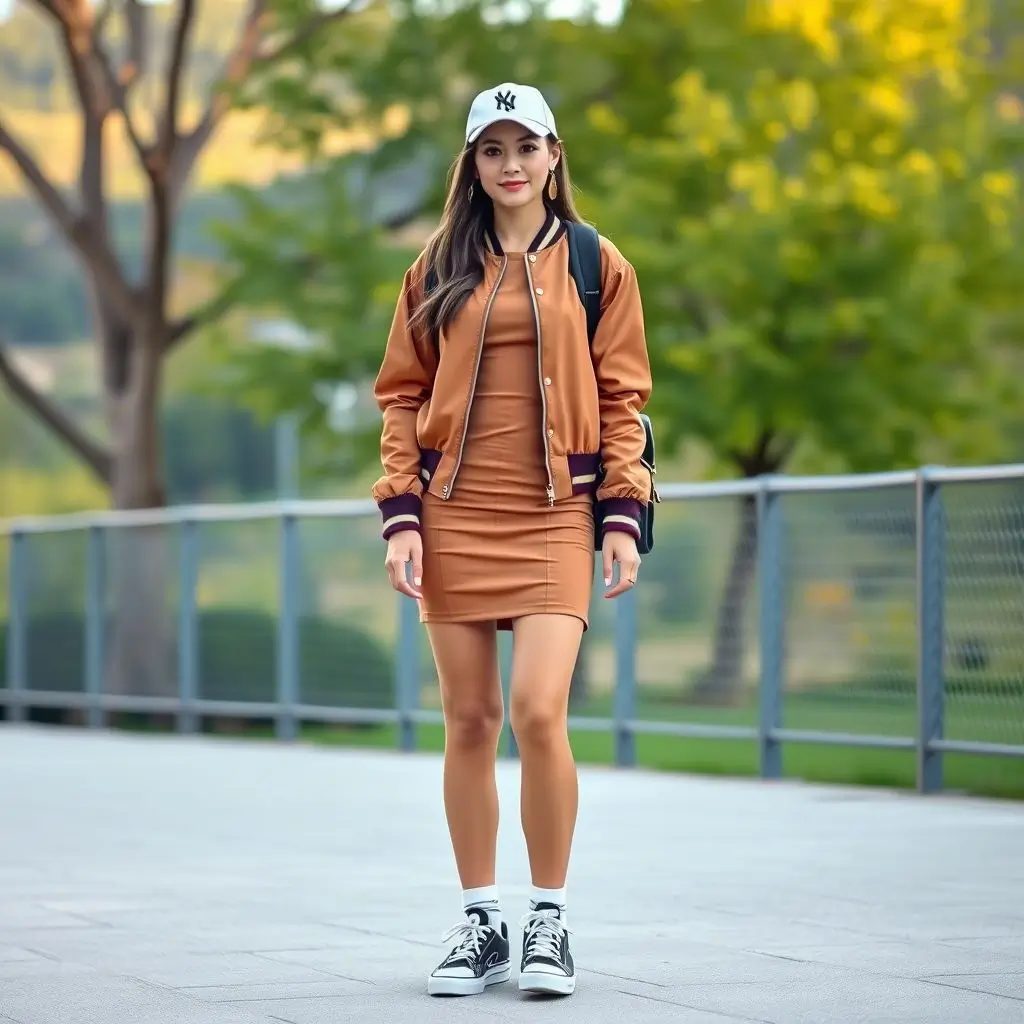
543,934
469,937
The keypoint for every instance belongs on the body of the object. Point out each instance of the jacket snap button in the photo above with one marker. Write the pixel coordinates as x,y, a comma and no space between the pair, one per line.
540,291
547,381
533,258
551,433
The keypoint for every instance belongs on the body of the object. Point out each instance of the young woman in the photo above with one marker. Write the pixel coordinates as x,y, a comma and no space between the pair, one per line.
498,415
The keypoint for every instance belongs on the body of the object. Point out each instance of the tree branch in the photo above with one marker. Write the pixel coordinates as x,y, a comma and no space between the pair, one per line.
167,134
210,312
236,67
240,62
117,84
137,19
760,459
91,453
164,205
84,236
304,33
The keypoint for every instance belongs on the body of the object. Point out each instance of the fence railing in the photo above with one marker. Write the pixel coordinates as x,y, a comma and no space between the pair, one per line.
881,611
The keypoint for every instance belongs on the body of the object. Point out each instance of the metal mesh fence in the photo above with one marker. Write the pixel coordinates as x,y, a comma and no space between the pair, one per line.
849,579
849,565
696,614
141,571
54,592
984,611
237,610
347,615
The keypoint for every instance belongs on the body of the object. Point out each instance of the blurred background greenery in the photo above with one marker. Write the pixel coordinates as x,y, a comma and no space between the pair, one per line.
822,202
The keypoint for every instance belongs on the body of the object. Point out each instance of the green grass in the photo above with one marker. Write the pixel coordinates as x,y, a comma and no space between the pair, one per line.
853,710
982,776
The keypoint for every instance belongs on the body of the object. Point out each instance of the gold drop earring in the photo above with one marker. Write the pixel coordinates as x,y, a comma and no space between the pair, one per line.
552,187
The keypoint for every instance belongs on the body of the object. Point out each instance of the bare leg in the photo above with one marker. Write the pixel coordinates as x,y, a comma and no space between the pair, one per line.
466,655
545,650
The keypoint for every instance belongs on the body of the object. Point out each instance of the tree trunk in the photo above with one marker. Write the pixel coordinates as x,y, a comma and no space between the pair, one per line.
723,682
141,651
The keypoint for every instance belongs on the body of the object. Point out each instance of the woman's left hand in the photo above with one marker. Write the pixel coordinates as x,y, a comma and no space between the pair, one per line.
620,547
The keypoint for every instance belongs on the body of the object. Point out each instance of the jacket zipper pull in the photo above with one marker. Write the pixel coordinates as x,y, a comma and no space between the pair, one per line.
551,494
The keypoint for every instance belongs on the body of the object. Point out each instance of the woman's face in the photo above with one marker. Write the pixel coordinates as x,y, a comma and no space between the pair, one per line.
513,165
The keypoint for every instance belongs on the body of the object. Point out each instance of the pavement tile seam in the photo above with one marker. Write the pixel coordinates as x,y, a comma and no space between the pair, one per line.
691,1006
378,934
969,974
41,953
971,988
622,977
321,970
329,975
872,972
312,981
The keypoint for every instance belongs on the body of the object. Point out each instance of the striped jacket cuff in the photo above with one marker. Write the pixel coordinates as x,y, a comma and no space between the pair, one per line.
400,513
621,514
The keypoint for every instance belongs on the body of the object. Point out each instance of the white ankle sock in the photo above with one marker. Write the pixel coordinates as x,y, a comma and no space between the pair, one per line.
555,896
485,897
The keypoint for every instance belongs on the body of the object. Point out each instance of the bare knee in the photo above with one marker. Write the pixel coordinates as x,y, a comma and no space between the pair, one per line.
537,722
473,723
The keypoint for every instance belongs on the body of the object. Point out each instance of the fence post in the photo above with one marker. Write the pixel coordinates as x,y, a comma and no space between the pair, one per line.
95,624
286,724
624,708
407,671
931,572
188,632
17,627
772,626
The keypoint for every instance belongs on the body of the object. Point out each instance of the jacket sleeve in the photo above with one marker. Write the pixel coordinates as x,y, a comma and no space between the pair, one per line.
403,385
623,371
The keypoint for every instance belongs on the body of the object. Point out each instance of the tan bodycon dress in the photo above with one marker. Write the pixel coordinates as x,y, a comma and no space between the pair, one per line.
495,550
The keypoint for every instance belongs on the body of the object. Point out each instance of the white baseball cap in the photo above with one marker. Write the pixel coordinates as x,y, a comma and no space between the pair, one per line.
510,102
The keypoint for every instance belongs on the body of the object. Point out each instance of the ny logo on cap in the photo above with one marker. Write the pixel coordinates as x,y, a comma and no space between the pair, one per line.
505,100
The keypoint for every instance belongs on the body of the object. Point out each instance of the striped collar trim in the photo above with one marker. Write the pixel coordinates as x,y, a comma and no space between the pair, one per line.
551,231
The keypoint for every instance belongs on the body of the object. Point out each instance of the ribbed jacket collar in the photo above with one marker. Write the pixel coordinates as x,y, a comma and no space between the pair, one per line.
551,231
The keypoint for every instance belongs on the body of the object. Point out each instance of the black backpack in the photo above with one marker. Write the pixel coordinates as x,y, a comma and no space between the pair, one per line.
585,267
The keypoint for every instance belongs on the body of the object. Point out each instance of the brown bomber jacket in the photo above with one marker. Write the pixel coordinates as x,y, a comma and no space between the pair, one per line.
591,399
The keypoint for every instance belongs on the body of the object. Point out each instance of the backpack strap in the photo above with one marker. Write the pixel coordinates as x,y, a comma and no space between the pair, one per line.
585,267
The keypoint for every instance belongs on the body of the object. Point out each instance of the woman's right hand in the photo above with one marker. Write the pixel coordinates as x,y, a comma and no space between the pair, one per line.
404,547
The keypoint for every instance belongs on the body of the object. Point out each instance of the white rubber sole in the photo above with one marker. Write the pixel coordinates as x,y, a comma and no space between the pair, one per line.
468,986
549,984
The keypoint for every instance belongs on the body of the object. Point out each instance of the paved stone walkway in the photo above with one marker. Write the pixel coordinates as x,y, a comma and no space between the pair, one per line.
196,881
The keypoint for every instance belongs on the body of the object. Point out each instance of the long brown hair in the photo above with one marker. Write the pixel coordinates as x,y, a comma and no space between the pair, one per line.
455,251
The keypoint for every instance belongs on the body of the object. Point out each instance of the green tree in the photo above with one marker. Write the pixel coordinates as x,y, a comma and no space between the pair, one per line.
326,251
120,82
819,197
828,223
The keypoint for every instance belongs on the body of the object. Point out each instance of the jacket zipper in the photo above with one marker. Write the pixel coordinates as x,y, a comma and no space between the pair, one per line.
540,383
448,488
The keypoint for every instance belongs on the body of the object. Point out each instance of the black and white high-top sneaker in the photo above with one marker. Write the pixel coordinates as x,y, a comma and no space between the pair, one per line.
479,957
547,964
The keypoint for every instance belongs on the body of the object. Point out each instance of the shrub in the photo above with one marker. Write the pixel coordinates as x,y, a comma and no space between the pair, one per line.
339,665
